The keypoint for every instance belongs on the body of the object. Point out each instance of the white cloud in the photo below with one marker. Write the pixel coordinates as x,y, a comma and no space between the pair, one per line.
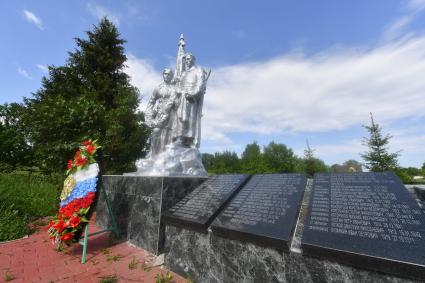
397,28
43,68
412,144
416,5
144,76
99,12
32,18
24,73
410,140
337,151
328,91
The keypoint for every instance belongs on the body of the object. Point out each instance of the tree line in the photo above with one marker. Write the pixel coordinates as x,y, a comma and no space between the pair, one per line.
273,158
278,158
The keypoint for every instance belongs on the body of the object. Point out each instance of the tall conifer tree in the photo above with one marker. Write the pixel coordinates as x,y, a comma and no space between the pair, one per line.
378,158
90,96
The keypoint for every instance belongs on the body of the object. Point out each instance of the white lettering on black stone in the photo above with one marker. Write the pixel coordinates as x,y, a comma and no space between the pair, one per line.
263,200
204,200
362,206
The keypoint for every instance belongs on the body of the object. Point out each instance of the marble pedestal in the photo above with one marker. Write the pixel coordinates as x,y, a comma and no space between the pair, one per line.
138,202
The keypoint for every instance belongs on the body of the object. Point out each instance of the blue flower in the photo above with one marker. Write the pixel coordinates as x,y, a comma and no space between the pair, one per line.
80,190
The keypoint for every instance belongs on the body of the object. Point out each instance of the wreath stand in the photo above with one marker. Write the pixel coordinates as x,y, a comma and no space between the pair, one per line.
113,228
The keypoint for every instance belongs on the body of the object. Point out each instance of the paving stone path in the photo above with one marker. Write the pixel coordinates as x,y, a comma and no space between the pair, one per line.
34,259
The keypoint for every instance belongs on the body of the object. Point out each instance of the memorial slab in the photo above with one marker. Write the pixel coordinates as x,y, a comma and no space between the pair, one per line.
367,220
264,211
201,206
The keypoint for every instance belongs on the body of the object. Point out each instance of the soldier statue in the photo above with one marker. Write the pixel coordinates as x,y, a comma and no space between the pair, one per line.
159,113
174,114
191,89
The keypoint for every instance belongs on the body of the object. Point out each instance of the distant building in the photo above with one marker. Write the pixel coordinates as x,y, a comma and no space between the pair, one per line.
348,166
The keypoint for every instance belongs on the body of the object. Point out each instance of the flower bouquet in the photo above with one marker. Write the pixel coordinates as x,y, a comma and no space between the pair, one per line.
77,196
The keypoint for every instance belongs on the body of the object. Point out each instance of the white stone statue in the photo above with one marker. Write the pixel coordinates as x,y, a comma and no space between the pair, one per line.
159,113
174,114
191,90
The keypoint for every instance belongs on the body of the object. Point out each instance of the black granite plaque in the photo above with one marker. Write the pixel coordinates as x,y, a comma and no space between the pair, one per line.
264,211
367,220
202,205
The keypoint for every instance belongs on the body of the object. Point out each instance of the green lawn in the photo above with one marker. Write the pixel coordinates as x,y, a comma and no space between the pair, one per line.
23,199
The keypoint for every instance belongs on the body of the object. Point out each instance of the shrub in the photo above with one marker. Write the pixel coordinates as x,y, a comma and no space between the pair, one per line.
12,224
24,198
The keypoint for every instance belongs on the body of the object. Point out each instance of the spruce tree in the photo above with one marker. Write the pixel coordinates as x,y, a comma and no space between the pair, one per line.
377,158
89,97
312,164
309,160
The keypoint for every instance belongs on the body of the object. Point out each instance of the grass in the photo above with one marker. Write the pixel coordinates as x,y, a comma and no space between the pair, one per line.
108,279
164,278
133,264
146,267
23,199
111,258
8,276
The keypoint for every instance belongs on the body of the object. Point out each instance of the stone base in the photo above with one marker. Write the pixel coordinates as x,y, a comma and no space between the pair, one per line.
174,161
210,258
138,202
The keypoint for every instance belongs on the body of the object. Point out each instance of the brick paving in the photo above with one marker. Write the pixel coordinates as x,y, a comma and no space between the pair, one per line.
34,259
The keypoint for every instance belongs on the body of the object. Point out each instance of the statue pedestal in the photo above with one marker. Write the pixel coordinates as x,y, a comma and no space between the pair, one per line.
173,161
138,202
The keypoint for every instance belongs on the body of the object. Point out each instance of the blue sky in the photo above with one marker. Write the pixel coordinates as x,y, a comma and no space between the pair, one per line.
282,71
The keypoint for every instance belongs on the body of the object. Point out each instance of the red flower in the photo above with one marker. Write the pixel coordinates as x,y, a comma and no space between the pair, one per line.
75,205
86,143
75,221
67,212
67,237
70,164
79,159
90,149
60,226
51,223
91,196
88,200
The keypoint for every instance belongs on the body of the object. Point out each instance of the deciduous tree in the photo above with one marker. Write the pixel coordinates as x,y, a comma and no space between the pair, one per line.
16,151
225,162
251,160
278,158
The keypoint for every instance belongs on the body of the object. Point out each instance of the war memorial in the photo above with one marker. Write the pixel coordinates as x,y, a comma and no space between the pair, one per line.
337,227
